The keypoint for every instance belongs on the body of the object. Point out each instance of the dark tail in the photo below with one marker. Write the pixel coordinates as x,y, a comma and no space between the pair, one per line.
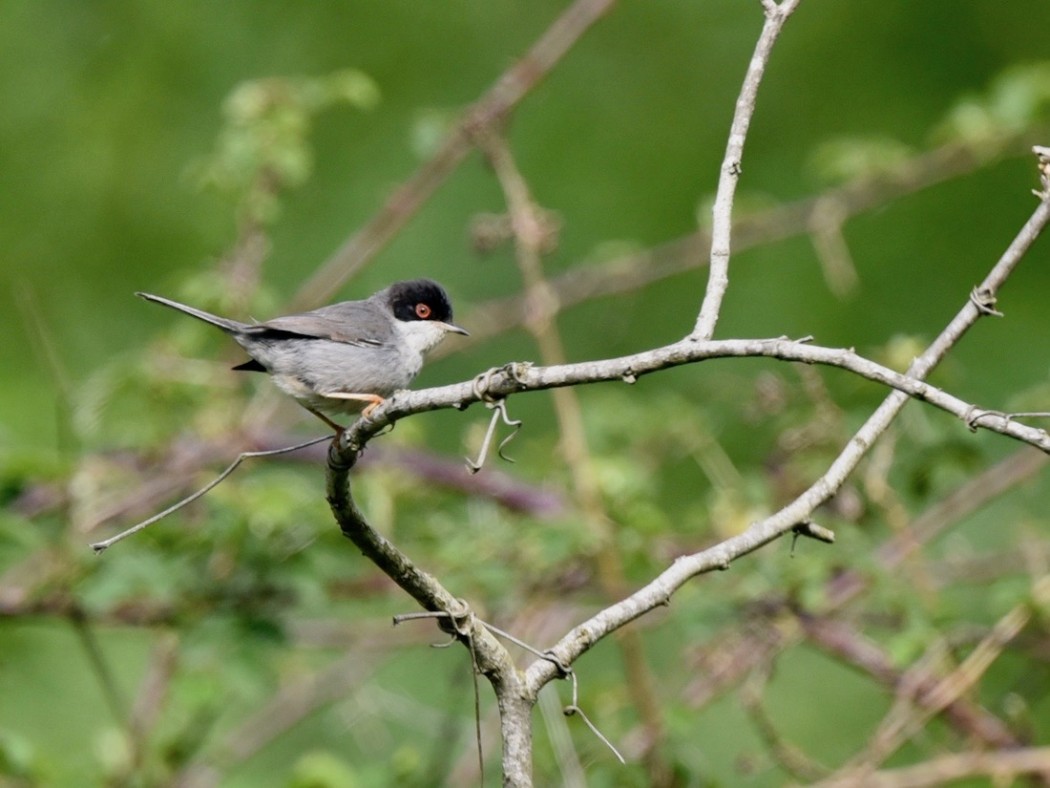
229,326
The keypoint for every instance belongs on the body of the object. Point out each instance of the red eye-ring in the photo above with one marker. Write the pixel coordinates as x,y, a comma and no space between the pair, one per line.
422,311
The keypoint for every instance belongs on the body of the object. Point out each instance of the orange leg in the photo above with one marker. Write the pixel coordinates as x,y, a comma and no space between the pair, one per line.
337,427
373,400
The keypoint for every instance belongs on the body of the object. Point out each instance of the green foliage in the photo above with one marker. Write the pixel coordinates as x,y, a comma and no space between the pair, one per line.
264,146
323,770
1016,100
248,609
17,757
841,160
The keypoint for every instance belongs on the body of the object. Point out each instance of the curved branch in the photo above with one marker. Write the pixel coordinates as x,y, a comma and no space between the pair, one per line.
490,657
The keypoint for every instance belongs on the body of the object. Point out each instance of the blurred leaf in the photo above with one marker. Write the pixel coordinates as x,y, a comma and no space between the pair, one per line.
322,769
263,148
17,757
1015,100
430,129
868,158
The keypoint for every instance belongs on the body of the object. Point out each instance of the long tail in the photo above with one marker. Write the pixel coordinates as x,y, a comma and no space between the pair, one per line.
227,325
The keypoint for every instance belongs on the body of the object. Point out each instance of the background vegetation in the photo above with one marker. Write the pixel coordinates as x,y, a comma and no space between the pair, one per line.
243,643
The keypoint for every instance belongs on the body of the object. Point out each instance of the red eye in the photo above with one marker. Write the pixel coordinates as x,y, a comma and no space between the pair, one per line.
422,311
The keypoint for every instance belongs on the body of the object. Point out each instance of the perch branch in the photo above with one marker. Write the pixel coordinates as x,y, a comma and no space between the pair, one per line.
522,376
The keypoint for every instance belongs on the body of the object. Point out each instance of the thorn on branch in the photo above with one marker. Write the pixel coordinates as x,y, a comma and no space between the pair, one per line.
973,416
984,300
401,618
564,671
813,531
1042,154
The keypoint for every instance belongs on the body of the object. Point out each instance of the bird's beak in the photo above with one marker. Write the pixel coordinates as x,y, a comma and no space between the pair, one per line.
456,329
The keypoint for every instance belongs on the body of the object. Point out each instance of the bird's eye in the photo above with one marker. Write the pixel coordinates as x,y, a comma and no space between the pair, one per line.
422,311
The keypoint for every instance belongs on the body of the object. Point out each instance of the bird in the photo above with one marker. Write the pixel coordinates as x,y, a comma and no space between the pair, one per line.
345,358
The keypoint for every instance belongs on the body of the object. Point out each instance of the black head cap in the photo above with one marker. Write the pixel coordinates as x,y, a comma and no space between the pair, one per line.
419,299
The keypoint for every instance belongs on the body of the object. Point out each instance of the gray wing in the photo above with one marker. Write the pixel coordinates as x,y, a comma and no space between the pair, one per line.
351,322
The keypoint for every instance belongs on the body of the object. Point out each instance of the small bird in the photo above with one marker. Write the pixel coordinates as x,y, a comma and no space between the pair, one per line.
347,357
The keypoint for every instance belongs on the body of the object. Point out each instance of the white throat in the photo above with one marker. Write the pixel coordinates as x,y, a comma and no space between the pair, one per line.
419,337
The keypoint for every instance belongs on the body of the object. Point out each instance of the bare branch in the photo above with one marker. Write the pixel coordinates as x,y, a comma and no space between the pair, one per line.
489,655
924,701
1001,767
725,664
843,641
720,556
722,212
533,233
522,376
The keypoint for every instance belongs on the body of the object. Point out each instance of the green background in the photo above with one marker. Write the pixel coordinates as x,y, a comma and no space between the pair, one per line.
109,110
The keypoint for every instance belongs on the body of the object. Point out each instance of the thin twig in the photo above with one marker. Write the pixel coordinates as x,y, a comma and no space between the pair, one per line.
499,412
927,701
999,767
100,547
729,174
574,709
